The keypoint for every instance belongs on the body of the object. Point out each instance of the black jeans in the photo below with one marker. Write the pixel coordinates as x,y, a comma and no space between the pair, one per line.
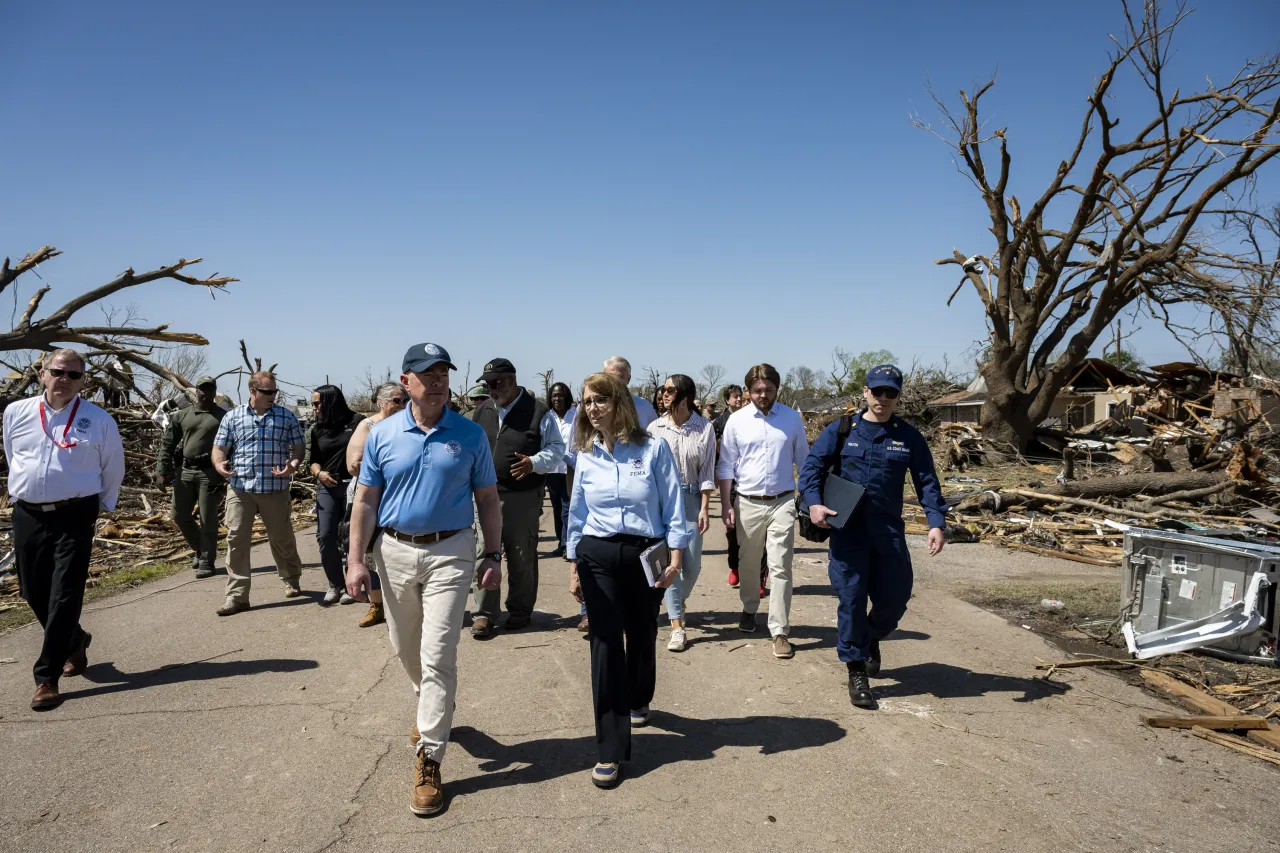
623,610
52,550
331,508
558,489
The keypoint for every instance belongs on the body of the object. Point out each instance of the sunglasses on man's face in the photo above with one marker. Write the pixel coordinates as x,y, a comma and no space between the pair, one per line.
270,392
887,393
70,374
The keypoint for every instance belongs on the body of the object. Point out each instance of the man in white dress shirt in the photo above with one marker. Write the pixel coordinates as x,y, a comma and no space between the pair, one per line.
763,442
66,463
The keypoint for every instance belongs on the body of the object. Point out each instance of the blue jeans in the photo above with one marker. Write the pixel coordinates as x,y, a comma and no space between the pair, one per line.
682,586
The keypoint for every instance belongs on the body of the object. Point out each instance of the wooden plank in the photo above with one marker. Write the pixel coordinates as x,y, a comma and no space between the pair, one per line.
1072,664
1236,744
1203,703
1227,723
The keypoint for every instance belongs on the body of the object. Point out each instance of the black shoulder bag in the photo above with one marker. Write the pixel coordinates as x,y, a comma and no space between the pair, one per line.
808,529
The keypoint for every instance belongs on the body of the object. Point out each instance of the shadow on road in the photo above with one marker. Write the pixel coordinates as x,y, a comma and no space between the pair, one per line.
111,680
680,739
945,681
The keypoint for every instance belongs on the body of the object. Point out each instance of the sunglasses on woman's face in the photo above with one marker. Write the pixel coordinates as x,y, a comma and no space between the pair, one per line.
887,393
399,401
668,389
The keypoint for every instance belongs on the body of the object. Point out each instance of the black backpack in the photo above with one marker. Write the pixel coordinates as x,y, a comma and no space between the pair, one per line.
808,529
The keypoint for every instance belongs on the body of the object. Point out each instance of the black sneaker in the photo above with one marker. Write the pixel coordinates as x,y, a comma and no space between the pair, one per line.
204,570
747,622
873,665
860,692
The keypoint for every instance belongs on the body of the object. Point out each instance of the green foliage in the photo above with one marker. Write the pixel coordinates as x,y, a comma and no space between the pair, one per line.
1123,359
849,371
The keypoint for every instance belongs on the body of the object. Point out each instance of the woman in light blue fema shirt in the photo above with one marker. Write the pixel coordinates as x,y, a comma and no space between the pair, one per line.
626,498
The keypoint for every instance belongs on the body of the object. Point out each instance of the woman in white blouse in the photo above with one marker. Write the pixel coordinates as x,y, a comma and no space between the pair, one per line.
692,440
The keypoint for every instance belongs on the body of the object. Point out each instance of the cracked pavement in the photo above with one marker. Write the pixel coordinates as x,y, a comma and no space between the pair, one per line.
286,729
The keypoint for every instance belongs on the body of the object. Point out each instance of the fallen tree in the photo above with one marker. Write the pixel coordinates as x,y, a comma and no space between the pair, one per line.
106,344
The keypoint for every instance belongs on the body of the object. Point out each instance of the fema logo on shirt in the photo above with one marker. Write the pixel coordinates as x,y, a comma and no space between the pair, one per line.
83,424
453,448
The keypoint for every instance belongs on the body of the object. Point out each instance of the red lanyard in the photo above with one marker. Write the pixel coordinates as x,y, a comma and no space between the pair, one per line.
66,430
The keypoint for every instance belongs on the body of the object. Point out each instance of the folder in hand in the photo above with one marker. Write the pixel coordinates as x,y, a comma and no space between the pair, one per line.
842,496
655,559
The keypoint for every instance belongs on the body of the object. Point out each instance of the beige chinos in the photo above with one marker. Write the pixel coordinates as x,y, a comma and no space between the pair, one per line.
768,527
276,511
424,594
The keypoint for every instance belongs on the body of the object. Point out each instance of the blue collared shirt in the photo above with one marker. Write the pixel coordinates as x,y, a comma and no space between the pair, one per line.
427,476
877,456
255,444
635,490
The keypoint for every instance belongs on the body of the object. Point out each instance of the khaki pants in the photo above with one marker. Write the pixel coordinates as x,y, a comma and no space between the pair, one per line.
424,593
275,511
768,528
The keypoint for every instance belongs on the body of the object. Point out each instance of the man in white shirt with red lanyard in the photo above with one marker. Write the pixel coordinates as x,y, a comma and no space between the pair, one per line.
762,444
66,462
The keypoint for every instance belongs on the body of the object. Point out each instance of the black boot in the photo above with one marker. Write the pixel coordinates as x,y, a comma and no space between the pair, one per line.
860,693
873,665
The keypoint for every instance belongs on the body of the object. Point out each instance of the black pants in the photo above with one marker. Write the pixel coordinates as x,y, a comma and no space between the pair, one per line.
623,610
52,550
558,489
331,508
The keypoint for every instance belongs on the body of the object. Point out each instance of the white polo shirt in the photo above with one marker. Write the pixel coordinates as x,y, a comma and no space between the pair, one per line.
42,472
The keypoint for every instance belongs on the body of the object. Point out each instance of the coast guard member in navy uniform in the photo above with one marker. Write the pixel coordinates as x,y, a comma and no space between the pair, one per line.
869,554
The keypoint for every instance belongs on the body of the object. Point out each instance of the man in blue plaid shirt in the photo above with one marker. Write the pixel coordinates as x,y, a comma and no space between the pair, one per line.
259,447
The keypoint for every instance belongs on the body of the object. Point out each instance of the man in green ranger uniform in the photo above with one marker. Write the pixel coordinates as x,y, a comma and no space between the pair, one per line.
188,442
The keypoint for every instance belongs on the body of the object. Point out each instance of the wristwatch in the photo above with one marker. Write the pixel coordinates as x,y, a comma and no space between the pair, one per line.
493,555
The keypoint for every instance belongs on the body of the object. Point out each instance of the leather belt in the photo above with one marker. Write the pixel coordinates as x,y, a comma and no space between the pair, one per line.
421,538
766,498
203,461
55,505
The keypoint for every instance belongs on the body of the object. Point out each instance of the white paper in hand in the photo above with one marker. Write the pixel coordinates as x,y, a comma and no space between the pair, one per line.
655,561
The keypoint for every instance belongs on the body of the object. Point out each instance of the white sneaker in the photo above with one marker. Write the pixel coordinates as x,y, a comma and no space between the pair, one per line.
332,596
346,599
678,640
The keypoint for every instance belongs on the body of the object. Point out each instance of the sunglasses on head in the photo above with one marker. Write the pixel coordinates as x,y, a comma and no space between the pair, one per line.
887,393
70,374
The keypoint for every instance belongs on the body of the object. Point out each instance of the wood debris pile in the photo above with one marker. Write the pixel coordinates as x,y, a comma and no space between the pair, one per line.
1200,453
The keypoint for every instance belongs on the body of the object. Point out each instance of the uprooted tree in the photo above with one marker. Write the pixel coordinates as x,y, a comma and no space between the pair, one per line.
103,346
1117,225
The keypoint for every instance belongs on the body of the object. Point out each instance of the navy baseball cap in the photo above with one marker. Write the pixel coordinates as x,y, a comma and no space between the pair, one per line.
884,376
496,369
419,357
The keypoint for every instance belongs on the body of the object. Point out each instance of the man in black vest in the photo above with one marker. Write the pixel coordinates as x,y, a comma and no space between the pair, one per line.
526,444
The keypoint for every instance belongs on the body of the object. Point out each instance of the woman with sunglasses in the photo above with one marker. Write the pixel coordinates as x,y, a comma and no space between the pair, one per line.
390,398
328,441
626,499
692,440
868,555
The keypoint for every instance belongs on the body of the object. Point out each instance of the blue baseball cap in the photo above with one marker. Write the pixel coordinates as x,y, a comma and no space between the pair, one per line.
419,357
884,376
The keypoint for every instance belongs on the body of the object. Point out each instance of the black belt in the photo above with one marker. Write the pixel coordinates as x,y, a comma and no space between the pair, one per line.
629,539
205,461
421,538
766,498
53,506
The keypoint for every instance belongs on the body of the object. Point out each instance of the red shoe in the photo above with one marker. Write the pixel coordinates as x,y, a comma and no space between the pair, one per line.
733,578
763,592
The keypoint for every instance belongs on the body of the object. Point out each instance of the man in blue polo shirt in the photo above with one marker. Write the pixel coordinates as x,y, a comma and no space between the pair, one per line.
420,471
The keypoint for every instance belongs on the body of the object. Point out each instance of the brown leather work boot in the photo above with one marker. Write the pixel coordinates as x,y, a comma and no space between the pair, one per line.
46,698
375,616
428,790
79,659
480,628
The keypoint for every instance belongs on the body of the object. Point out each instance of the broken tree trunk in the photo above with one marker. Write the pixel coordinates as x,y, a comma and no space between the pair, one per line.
1136,484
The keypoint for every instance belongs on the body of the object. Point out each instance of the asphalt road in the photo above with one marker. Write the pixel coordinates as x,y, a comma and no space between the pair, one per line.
285,729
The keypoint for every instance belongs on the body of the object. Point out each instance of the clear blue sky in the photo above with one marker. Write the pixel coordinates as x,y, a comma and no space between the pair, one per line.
677,182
